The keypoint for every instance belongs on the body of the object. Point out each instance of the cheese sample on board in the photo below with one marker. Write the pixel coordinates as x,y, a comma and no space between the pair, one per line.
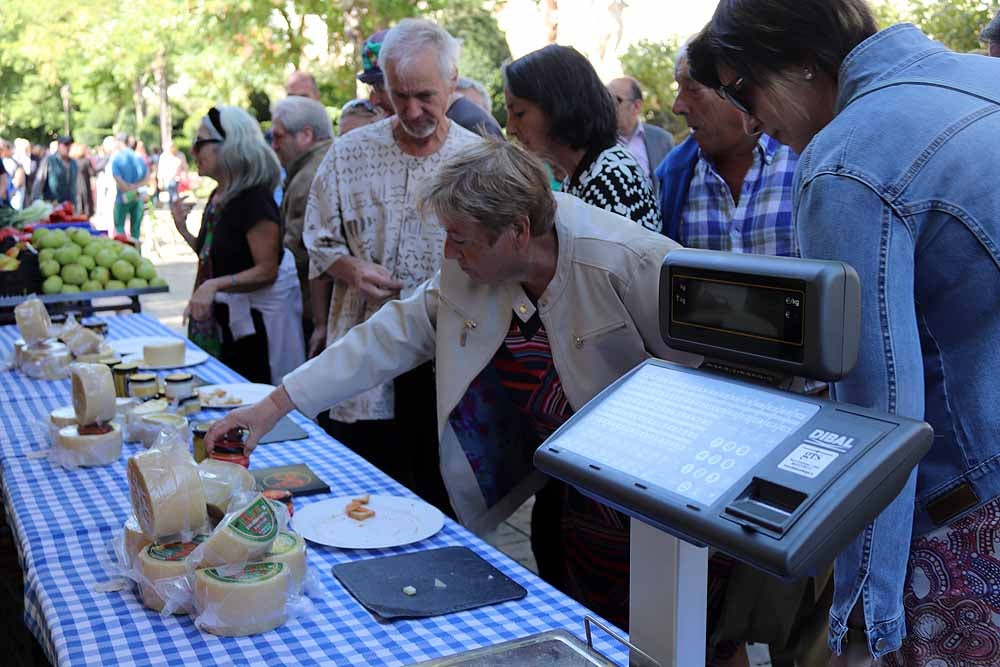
64,416
89,449
221,480
32,320
246,602
246,535
166,491
289,549
162,561
93,393
135,540
164,354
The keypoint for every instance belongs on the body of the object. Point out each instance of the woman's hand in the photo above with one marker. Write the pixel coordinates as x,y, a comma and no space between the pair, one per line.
257,419
200,305
180,209
317,342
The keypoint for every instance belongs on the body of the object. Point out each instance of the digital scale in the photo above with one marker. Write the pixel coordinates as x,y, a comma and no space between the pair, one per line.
718,457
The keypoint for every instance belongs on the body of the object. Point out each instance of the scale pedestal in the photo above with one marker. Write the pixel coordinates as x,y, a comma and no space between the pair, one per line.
668,590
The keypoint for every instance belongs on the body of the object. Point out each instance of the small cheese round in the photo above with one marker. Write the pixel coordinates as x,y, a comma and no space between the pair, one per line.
32,320
98,449
221,480
162,561
290,549
93,393
82,341
64,416
155,424
104,353
135,539
245,536
133,416
166,491
164,354
248,602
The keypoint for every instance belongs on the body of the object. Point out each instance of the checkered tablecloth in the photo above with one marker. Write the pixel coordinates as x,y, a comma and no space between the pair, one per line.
63,521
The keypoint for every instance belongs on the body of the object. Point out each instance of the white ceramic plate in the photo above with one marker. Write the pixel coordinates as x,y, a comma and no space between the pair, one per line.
248,393
131,350
397,521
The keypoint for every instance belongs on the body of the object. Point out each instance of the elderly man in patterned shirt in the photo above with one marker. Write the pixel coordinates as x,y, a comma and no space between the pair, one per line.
722,189
364,230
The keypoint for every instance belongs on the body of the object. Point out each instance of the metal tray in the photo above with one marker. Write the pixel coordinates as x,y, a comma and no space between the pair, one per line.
555,648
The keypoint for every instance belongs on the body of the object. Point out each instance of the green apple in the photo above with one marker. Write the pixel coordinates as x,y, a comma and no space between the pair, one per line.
138,282
48,254
68,253
114,284
131,255
145,270
91,286
100,274
56,238
122,270
92,248
74,274
49,267
81,237
70,289
158,281
106,257
52,285
86,261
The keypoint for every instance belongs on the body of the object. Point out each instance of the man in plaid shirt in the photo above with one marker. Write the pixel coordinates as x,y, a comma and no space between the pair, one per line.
722,189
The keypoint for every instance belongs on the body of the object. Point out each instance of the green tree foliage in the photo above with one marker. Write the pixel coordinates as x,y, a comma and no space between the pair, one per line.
652,65
955,23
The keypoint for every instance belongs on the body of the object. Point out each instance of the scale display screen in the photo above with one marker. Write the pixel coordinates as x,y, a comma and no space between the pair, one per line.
728,306
690,434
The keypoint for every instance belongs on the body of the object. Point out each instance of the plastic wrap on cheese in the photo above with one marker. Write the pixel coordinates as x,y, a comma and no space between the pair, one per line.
221,481
32,320
167,495
290,550
72,449
93,393
247,601
244,535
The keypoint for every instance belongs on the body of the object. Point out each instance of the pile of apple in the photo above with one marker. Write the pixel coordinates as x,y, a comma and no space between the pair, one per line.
75,261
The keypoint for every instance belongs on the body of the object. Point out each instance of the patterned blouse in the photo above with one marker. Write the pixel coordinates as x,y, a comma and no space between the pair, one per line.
363,203
615,182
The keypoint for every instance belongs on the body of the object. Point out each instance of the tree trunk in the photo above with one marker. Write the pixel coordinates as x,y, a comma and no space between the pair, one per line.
166,123
140,115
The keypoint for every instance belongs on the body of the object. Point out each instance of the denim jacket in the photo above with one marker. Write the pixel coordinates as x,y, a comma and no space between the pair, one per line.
903,185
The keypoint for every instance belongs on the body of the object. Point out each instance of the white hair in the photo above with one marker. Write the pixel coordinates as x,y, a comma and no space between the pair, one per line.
471,84
244,157
410,37
297,113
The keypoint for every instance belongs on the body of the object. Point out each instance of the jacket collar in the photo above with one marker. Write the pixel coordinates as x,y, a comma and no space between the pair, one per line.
881,57
301,161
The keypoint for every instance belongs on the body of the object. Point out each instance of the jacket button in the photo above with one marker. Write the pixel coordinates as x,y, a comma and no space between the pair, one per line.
578,342
522,308
881,644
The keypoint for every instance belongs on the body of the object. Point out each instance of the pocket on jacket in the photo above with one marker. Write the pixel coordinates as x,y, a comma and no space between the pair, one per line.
581,340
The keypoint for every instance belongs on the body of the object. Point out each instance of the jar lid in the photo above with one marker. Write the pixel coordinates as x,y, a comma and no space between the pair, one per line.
126,367
142,377
179,377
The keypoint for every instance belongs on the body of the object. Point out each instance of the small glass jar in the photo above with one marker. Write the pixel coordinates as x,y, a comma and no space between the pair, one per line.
120,375
283,496
231,448
198,431
178,385
142,385
189,405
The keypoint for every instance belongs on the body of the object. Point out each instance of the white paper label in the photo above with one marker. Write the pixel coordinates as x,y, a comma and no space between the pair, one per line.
808,461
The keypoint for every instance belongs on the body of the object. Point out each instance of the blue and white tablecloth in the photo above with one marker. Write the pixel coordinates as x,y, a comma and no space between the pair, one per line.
63,521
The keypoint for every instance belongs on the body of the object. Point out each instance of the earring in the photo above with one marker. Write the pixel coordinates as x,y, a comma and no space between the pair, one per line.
808,73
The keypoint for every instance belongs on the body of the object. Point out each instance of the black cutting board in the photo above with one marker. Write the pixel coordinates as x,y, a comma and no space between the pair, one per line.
470,582
284,430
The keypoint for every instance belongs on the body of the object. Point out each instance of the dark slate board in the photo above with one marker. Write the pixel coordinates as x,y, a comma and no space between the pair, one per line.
285,429
377,583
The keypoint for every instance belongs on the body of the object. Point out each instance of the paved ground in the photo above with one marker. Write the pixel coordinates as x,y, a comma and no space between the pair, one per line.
177,264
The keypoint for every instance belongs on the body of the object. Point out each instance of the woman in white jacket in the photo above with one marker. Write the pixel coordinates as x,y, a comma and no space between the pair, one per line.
542,301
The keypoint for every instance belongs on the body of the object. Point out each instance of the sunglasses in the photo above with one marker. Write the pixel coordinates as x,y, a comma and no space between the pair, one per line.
735,95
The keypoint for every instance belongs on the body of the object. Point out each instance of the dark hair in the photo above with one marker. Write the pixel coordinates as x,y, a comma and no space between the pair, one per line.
635,89
760,38
564,85
991,33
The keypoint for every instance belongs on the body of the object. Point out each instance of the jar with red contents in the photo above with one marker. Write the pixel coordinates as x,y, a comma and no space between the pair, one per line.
283,496
231,448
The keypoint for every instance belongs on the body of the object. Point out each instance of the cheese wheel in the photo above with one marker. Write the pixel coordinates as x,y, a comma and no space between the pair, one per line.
290,550
82,341
166,492
93,393
32,320
162,561
103,353
98,449
155,424
164,354
133,416
221,480
247,602
135,540
245,536
64,416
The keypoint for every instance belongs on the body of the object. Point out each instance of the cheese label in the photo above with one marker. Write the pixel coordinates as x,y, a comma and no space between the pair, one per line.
284,543
174,551
253,573
257,522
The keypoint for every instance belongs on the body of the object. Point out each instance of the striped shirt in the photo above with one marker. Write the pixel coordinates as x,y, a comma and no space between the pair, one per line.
761,223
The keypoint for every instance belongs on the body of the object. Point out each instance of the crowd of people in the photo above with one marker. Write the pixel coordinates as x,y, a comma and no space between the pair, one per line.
459,293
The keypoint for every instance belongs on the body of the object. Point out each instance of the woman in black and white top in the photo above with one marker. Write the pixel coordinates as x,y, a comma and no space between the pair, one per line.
558,108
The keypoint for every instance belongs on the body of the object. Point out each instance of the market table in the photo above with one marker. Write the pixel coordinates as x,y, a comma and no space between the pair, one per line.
63,521
82,301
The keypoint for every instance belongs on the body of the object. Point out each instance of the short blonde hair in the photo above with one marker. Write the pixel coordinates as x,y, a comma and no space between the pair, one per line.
493,184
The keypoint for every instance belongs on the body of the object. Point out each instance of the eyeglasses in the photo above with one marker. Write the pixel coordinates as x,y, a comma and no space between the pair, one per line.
200,142
735,95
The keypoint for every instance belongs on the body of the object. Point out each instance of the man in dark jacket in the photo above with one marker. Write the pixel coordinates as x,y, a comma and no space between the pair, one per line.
56,180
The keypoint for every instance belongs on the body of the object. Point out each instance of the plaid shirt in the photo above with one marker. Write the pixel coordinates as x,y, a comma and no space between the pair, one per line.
761,223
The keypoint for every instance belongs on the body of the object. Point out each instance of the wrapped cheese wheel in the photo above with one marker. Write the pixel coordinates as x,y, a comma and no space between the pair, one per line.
153,425
243,536
82,341
93,393
162,561
72,448
64,416
32,320
246,602
290,550
166,491
103,354
221,480
135,539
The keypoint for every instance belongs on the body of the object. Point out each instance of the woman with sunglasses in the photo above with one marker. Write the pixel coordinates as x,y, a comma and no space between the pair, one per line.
246,308
558,108
888,125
